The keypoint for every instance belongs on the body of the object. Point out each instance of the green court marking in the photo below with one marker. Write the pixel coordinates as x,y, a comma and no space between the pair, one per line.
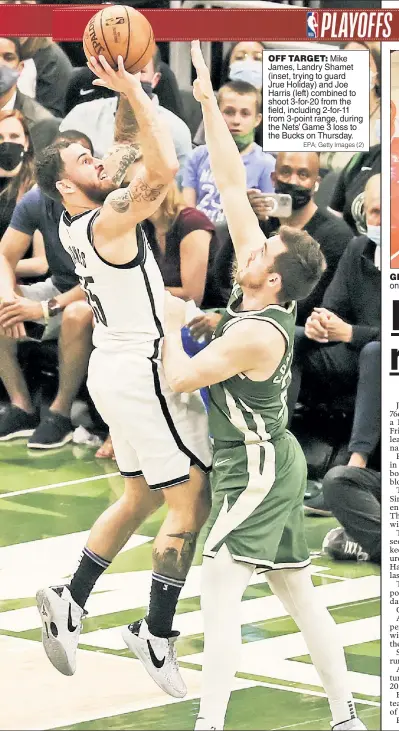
66,499
257,708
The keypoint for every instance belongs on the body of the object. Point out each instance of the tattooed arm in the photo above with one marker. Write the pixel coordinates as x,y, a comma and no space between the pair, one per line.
125,208
126,148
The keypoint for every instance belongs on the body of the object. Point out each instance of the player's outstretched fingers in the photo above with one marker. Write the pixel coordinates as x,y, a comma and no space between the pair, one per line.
107,68
121,66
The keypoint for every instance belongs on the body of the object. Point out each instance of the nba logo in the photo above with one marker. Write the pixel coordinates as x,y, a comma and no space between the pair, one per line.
312,24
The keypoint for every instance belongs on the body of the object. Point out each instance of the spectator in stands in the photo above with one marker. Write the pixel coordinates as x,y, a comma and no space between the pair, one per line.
339,348
348,197
16,163
166,87
58,305
184,243
242,63
338,160
375,85
80,88
240,104
353,495
38,118
16,152
296,174
53,71
96,119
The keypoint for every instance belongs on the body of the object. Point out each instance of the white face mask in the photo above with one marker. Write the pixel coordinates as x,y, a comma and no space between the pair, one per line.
249,71
374,234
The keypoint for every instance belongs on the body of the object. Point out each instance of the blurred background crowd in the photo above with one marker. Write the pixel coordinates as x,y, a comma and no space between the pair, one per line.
46,93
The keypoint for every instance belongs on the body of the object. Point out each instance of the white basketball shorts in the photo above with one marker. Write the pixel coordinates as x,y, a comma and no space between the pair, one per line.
155,432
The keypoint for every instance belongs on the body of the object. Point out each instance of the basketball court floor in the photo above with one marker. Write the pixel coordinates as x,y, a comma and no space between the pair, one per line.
48,502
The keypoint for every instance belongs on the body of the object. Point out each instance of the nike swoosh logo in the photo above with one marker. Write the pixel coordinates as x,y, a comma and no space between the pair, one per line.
83,92
158,663
222,461
70,625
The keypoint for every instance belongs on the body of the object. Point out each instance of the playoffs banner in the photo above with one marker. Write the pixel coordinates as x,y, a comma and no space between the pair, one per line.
292,24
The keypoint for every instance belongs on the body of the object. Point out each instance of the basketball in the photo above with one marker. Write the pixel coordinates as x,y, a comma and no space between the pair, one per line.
119,30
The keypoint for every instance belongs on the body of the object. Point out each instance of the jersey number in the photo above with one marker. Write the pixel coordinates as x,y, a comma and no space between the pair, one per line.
93,300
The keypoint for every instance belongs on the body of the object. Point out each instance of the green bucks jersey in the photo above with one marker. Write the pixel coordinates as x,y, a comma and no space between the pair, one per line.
248,411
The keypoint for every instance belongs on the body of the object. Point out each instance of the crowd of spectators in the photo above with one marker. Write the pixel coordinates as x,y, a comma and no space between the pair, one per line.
336,199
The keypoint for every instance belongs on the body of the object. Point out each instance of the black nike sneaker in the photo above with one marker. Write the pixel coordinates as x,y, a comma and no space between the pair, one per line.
16,423
158,655
54,431
338,545
62,623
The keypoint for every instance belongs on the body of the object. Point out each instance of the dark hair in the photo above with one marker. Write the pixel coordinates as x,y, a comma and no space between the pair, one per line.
301,266
73,135
17,43
375,53
224,74
242,87
50,167
25,179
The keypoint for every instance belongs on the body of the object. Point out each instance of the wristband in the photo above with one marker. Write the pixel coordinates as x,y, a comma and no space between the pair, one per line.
54,308
46,314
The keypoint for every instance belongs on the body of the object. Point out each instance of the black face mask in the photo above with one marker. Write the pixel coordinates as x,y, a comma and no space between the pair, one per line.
300,195
147,87
11,154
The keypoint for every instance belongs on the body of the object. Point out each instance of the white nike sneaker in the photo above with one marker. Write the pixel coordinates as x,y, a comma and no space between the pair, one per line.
202,724
354,724
158,655
62,622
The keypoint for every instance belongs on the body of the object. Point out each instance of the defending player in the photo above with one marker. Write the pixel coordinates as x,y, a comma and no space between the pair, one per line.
161,444
259,470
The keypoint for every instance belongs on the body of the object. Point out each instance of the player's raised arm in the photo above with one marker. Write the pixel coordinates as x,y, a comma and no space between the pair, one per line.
144,194
226,163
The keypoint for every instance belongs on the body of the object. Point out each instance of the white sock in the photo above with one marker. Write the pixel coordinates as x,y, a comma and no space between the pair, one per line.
223,584
294,588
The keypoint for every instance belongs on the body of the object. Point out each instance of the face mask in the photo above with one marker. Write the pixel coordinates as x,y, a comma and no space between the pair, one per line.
300,195
249,71
374,234
242,141
146,86
11,154
8,79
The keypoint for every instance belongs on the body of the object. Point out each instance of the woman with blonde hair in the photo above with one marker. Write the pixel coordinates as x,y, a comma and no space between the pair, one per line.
184,243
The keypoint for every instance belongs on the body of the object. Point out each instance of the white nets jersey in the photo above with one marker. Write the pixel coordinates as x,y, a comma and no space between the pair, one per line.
127,299
155,433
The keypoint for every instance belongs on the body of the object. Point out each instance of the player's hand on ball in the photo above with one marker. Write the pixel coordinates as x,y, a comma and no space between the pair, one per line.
202,86
119,80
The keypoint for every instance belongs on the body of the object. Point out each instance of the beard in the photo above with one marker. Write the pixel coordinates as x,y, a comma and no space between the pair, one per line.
97,194
248,280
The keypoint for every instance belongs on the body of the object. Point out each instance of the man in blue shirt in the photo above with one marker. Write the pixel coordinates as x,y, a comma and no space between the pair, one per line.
240,104
58,306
